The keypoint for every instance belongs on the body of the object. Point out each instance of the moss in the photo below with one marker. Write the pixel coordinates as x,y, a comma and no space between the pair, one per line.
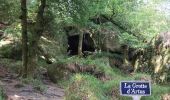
84,87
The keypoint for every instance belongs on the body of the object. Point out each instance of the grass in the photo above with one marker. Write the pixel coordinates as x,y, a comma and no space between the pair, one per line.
157,92
110,88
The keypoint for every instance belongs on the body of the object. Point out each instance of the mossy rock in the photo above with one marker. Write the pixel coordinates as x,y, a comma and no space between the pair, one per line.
84,87
12,51
57,72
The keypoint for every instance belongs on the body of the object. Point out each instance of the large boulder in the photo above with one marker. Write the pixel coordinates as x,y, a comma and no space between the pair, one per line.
57,71
11,50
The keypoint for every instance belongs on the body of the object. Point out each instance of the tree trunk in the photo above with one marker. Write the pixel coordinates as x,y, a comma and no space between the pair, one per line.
80,43
24,70
38,30
125,60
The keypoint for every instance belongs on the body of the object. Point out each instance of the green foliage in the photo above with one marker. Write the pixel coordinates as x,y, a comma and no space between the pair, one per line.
138,18
9,10
131,41
77,12
32,6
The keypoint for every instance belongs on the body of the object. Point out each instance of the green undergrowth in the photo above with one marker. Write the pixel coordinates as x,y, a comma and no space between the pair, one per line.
81,85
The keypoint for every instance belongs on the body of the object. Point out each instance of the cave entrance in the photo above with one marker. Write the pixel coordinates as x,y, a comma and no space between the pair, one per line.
87,46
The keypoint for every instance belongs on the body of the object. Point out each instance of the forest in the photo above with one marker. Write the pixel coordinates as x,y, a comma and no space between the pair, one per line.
83,49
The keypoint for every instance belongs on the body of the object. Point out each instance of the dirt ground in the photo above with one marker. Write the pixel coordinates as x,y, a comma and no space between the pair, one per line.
15,90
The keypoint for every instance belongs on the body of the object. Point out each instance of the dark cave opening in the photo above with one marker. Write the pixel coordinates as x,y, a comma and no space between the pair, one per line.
73,41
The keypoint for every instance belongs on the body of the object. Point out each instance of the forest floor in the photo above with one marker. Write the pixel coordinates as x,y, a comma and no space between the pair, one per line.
15,89
43,89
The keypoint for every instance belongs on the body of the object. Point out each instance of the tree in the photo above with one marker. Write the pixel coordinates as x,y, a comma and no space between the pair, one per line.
24,71
37,33
80,43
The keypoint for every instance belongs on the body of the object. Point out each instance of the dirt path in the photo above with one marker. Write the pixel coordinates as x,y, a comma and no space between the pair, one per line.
15,90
